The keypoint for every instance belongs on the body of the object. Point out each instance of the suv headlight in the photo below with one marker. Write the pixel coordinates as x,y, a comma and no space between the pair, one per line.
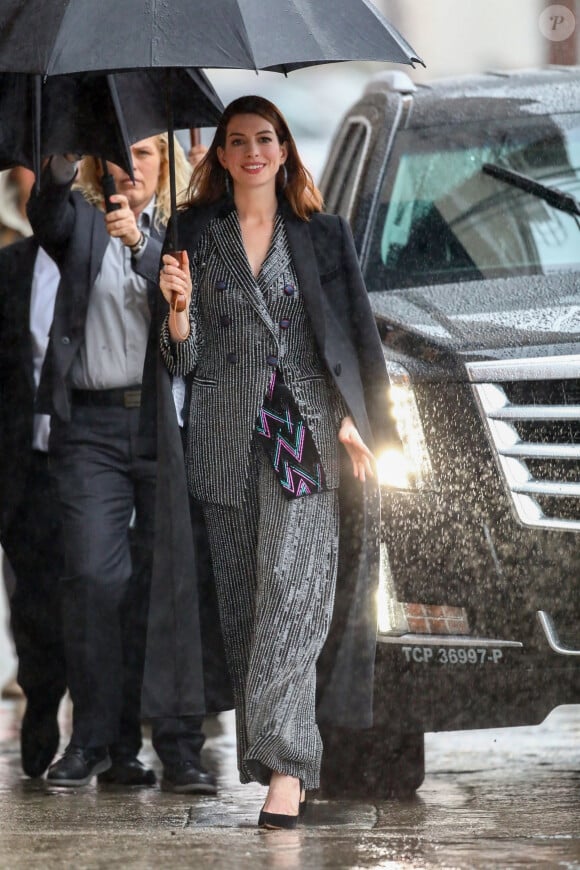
410,466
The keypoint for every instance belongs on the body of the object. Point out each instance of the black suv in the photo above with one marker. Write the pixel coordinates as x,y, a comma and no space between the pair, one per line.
463,197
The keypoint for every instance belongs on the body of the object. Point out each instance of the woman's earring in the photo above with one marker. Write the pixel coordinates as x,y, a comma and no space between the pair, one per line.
284,176
227,182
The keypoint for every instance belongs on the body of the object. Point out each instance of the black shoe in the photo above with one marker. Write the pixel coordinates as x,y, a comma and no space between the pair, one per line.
39,735
280,821
78,766
128,771
275,821
188,778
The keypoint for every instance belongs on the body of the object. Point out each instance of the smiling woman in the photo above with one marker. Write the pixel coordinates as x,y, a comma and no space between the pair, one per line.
275,310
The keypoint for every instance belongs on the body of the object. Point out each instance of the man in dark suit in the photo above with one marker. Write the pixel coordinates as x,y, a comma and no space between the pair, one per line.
91,386
29,527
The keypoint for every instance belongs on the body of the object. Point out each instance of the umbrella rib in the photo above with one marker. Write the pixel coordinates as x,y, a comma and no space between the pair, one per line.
122,124
246,36
57,47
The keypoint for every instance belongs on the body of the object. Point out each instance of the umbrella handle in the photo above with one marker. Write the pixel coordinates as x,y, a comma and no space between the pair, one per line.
177,300
109,189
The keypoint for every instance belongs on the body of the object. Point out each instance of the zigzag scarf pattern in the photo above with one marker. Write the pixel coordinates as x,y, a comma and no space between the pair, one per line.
288,442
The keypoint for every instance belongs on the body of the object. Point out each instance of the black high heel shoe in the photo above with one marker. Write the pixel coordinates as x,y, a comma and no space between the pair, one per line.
280,821
276,821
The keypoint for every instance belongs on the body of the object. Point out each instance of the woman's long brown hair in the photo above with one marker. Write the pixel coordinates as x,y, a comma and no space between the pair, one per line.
208,182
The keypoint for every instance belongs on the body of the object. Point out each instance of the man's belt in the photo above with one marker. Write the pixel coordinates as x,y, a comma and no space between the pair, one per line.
120,397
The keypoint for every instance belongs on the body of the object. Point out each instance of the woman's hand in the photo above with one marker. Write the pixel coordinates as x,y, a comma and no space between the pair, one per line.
122,223
361,457
175,284
175,279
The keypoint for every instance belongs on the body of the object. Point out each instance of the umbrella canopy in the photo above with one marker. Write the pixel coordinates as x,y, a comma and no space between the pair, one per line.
100,114
68,36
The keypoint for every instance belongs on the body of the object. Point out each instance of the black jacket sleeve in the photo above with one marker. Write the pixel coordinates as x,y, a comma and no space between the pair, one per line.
369,347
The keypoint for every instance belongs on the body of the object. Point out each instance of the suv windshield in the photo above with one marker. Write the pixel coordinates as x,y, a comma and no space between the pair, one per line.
443,219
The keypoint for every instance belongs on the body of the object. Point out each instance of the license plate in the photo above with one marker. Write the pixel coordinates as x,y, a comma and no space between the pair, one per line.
449,655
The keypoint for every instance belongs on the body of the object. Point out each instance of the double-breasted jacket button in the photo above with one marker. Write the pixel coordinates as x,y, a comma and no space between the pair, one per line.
284,323
225,320
289,290
337,369
65,340
272,360
232,357
220,285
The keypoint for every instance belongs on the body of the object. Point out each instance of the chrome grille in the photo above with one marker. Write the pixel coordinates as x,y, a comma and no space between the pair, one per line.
531,408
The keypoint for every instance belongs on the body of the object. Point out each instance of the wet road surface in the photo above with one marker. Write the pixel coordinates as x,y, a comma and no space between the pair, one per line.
502,798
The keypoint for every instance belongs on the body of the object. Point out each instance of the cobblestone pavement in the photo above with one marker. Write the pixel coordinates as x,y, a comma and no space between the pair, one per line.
502,798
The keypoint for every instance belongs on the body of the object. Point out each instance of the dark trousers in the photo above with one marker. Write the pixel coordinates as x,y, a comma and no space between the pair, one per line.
32,543
178,740
106,495
107,498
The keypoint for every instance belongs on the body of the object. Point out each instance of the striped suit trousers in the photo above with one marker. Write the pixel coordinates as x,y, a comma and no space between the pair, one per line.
275,563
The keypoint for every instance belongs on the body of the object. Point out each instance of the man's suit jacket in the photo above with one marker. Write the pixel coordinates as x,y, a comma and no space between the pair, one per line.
73,232
335,297
16,373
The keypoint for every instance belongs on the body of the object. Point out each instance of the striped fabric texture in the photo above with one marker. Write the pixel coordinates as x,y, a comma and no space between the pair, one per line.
275,563
242,328
275,560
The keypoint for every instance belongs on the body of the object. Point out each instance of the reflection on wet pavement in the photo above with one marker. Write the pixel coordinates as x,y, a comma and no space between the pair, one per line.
503,798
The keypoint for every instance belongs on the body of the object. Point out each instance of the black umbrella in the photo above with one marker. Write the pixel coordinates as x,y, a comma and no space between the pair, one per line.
71,36
68,36
101,114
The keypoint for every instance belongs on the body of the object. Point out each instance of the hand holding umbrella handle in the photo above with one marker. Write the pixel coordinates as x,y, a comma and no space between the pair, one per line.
178,300
109,189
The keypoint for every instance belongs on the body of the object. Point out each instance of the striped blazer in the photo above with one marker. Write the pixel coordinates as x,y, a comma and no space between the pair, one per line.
242,329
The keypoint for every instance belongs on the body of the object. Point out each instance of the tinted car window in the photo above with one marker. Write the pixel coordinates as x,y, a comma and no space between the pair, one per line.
443,219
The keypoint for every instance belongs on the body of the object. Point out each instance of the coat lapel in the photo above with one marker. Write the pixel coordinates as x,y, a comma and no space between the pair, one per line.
228,239
153,287
277,258
307,271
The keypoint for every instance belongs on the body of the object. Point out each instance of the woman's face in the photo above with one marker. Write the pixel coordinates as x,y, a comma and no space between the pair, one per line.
252,153
146,156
